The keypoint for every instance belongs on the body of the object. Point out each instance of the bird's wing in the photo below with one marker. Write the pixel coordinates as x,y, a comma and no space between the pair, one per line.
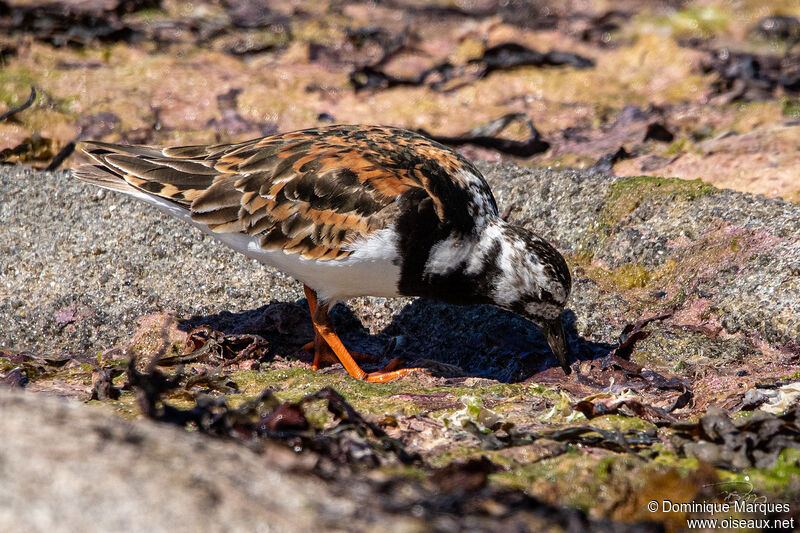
310,192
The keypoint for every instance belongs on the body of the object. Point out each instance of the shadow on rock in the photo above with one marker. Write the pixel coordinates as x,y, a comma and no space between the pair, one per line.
287,327
482,341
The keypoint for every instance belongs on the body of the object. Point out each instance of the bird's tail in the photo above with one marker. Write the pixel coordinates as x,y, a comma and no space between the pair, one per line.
102,177
145,171
100,173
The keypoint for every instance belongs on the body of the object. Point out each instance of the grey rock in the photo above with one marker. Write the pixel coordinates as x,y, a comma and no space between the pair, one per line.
62,246
70,467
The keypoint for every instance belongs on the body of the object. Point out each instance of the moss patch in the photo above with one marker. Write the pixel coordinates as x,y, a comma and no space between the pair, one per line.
292,384
790,107
697,21
630,275
785,475
625,195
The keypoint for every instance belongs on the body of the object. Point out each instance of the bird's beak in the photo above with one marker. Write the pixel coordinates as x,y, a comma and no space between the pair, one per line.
554,332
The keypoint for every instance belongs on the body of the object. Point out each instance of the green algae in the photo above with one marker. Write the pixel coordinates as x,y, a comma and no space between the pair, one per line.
580,480
667,348
462,453
553,470
679,146
790,107
626,194
630,275
474,412
79,374
125,406
670,459
621,423
403,471
15,84
147,14
779,478
292,384
6,365
697,21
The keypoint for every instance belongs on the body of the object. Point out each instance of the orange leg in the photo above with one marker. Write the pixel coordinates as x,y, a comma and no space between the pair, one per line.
323,353
325,335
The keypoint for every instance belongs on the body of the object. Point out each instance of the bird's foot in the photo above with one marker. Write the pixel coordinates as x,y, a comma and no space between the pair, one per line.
323,355
390,372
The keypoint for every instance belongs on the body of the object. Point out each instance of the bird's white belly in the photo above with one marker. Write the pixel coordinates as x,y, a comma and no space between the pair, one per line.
369,271
373,269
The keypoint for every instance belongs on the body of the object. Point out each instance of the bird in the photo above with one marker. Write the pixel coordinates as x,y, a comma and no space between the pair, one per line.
349,211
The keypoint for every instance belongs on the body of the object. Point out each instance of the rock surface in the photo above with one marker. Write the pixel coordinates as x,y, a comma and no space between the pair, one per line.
80,266
69,467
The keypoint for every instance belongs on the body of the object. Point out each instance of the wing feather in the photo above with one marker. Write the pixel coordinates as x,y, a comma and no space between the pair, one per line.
310,192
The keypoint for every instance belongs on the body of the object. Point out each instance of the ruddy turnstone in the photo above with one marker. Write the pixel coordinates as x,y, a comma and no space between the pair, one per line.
352,211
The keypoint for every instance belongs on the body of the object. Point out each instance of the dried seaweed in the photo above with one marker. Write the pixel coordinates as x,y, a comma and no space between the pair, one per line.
607,162
37,148
485,136
33,148
599,28
73,23
521,13
505,436
628,441
459,493
779,27
446,76
438,78
657,131
632,333
13,111
253,14
751,77
626,406
754,441
60,157
512,55
102,387
352,441
14,379
389,43
615,379
212,379
204,344
617,140
623,374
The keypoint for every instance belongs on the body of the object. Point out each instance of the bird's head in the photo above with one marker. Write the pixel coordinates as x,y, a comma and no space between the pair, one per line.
532,279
